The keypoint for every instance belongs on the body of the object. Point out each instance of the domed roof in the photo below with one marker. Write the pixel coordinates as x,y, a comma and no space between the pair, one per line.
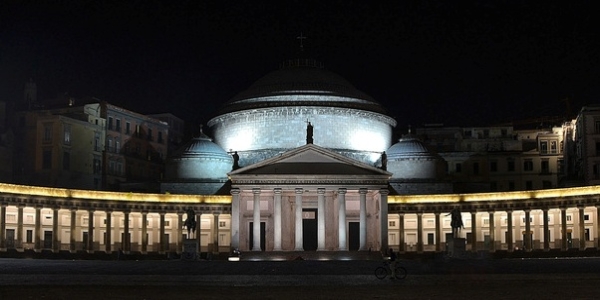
202,146
304,82
408,147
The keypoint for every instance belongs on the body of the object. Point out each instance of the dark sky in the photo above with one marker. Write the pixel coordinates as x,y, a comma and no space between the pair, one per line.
429,61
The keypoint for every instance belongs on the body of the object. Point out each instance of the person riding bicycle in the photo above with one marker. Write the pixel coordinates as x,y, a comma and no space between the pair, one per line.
392,256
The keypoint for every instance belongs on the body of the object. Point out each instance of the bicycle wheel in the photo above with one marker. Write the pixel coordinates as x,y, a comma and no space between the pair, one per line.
381,272
400,272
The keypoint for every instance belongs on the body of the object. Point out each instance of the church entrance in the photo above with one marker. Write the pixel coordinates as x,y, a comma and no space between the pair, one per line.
309,229
354,236
251,236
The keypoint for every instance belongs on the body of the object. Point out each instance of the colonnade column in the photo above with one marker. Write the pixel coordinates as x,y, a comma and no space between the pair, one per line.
55,233
144,232
73,230
38,229
419,232
581,227
299,233
363,219
277,219
199,232
597,235
20,227
563,226
90,241
108,231
438,233
3,227
321,219
342,219
215,233
527,237
473,231
235,218
178,248
161,233
383,215
126,238
401,232
492,232
546,230
256,221
509,227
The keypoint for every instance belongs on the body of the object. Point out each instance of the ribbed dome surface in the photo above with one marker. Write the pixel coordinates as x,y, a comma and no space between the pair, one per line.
408,147
202,146
302,82
199,159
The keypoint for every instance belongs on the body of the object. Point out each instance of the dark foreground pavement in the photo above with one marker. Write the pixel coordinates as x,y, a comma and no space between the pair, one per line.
173,279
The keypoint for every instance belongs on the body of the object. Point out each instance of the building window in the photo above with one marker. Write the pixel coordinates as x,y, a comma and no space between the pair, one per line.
117,146
528,165
392,224
597,126
110,123
149,134
493,166
569,219
553,148
586,217
96,141
222,224
160,137
430,239
66,161
67,134
127,128
29,236
544,147
545,166
458,167
48,133
510,165
47,159
587,234
118,125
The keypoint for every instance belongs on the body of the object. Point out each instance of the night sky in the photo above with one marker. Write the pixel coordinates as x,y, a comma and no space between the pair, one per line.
480,63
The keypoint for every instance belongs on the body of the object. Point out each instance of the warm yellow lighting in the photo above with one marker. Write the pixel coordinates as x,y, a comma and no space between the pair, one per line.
112,196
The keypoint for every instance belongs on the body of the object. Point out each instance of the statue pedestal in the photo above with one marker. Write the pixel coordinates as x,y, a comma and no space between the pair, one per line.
190,249
457,247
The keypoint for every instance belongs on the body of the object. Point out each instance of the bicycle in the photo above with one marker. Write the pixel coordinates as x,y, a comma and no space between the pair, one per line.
382,272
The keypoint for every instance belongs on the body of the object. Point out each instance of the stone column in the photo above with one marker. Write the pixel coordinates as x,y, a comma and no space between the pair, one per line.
144,232
90,244
199,232
3,227
363,219
342,244
179,247
401,247
473,240
38,229
235,218
20,227
126,238
492,232
581,227
546,230
509,235
438,233
256,221
277,219
299,233
161,233
383,215
563,226
321,220
419,232
597,231
215,233
108,245
73,230
527,241
55,232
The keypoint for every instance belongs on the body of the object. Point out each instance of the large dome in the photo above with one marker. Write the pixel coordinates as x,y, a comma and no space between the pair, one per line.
411,159
271,116
309,81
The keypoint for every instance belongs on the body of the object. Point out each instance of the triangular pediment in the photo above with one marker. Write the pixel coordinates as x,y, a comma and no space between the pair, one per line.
310,160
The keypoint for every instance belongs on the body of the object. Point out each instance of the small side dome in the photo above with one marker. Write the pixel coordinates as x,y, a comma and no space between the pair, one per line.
199,159
411,159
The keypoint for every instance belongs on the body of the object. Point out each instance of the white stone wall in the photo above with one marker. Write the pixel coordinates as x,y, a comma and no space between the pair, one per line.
285,128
